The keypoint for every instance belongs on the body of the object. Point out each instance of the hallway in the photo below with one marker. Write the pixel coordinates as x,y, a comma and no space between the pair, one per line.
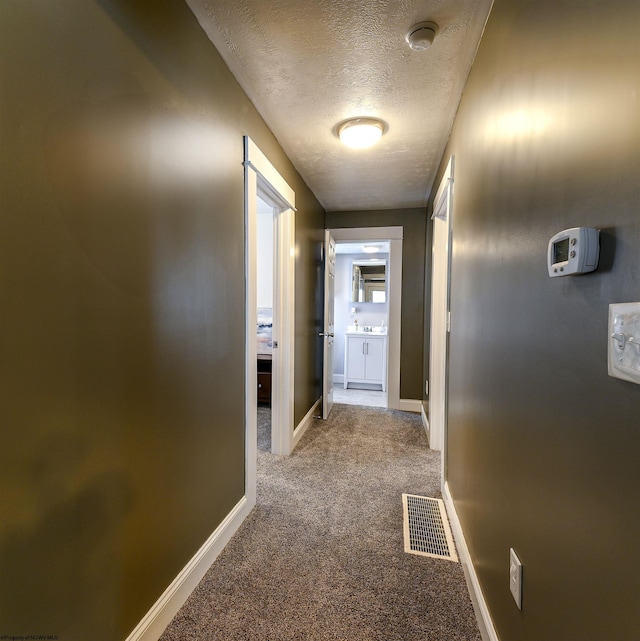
321,556
370,398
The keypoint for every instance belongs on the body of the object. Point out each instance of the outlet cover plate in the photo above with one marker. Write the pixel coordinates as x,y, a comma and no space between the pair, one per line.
515,577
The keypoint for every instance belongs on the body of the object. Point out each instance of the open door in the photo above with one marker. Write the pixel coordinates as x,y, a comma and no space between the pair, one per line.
328,333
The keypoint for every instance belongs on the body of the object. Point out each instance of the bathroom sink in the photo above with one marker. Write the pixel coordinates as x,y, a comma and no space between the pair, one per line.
366,329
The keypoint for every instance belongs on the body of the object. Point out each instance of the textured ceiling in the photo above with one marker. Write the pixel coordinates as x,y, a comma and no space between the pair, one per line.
309,64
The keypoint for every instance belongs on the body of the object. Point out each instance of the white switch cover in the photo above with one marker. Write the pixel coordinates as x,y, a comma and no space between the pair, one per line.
515,577
624,341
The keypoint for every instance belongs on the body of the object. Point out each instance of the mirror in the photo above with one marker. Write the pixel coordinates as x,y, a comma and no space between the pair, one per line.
369,281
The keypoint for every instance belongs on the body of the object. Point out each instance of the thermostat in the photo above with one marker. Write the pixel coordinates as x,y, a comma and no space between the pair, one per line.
573,251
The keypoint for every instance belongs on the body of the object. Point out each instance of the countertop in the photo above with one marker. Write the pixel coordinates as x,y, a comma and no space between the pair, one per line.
360,331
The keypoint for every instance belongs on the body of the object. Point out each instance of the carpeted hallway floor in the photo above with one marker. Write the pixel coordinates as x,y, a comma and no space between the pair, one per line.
321,556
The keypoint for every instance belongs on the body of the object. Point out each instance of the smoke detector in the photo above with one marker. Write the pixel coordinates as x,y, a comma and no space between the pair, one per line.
421,35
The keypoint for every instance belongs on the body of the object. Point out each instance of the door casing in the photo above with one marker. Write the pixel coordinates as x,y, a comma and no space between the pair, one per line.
440,314
262,177
395,236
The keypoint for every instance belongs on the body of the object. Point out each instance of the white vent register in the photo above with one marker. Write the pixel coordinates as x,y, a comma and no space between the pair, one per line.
426,528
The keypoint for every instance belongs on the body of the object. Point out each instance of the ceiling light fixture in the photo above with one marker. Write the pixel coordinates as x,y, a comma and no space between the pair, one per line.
370,249
361,132
421,35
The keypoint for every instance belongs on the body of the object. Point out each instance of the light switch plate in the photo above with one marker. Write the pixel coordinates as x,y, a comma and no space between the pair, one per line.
624,341
515,577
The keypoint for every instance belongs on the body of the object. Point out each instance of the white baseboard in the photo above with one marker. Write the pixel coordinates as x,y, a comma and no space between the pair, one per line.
304,424
338,379
425,423
410,405
166,607
485,623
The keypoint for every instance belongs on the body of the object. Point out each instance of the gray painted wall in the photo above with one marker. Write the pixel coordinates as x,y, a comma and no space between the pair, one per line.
122,297
414,222
543,444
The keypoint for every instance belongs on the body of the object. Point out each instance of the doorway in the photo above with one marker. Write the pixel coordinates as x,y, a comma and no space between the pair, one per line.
391,239
263,181
265,273
440,315
361,310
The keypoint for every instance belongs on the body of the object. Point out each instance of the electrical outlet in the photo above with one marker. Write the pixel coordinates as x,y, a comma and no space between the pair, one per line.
515,577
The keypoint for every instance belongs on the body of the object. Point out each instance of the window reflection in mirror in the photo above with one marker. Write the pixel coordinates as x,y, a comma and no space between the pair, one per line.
369,281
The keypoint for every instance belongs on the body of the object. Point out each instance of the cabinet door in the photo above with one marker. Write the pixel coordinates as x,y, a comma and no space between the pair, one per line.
355,358
375,359
264,387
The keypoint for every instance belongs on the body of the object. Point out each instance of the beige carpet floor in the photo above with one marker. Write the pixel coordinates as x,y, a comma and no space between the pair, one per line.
321,556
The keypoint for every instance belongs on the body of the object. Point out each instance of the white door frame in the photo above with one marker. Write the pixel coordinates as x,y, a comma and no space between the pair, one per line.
440,315
261,175
394,235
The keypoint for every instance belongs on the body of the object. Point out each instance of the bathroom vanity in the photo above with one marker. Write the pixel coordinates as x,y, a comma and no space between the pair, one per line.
365,358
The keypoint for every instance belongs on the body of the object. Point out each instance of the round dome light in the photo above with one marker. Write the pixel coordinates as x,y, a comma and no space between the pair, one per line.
361,132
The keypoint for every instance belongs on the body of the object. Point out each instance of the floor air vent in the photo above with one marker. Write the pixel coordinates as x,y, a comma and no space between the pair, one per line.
426,528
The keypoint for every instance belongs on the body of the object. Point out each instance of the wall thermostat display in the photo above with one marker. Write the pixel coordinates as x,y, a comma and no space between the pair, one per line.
573,251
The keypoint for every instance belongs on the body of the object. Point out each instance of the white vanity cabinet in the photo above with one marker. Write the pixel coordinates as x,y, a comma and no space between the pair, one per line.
365,359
